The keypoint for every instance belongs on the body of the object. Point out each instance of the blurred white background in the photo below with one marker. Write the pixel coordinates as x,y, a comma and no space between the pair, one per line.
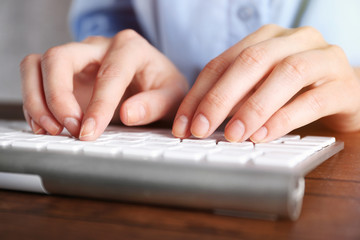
30,26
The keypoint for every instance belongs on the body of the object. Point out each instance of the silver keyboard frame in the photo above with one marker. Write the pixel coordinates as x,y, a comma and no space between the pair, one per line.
250,191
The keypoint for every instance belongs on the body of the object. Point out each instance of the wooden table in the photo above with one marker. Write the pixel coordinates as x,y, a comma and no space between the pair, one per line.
331,210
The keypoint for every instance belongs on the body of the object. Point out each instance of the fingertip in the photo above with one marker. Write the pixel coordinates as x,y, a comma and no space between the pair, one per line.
72,125
260,135
180,127
50,125
87,132
123,114
200,126
36,128
133,113
234,131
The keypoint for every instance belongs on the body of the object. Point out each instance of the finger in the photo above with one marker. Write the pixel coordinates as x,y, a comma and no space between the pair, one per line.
59,65
36,111
124,58
34,127
306,108
250,67
287,79
150,106
210,75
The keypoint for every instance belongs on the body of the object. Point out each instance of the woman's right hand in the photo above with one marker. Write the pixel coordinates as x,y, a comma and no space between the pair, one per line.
80,85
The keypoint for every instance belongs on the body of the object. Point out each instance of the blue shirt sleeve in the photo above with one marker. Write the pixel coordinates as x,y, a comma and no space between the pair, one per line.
101,18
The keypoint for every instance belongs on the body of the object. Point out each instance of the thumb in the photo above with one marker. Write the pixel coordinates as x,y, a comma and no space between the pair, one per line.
152,105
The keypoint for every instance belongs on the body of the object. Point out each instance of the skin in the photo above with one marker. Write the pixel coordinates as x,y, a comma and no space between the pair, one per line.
80,86
273,81
269,83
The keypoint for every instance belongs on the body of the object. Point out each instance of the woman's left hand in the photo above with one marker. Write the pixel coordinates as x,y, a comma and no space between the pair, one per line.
271,82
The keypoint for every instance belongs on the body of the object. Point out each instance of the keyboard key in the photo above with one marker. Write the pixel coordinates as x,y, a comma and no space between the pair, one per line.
242,145
35,145
163,139
287,147
181,155
138,135
200,142
160,145
279,159
289,137
120,140
142,153
23,137
168,142
323,141
102,150
65,147
50,138
4,142
232,156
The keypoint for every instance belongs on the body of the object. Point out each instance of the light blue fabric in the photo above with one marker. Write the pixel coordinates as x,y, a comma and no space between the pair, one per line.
192,32
101,18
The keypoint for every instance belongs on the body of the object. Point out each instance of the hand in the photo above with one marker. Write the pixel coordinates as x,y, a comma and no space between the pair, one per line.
271,82
79,85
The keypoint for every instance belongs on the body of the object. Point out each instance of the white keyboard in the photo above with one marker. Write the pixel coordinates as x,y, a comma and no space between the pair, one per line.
160,145
151,166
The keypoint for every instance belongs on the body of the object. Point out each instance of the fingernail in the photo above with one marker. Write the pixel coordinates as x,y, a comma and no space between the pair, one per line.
50,125
180,126
235,131
259,135
72,125
88,128
200,126
36,128
135,113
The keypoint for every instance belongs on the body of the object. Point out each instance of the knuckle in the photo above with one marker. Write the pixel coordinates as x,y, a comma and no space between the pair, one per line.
51,56
97,103
305,31
295,68
315,102
310,31
54,99
53,53
109,72
283,118
28,60
254,55
217,66
337,51
30,102
132,40
254,106
270,27
94,39
216,99
99,106
126,35
190,100
340,60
